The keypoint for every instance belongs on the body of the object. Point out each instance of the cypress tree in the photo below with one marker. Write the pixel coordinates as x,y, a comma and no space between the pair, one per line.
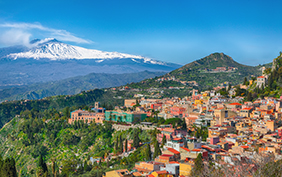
120,144
42,165
245,81
125,145
157,151
116,145
1,164
8,168
198,167
54,168
163,140
229,87
148,153
136,140
249,97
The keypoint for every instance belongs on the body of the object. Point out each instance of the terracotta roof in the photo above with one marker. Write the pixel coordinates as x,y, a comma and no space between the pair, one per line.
137,174
247,108
235,104
173,151
161,172
166,155
174,162
177,139
244,147
261,77
186,149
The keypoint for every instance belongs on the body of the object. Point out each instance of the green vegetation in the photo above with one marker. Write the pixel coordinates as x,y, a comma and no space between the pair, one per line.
9,110
8,167
42,141
194,71
273,88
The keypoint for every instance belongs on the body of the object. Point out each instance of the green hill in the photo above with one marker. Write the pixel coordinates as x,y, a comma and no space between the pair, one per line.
199,71
202,71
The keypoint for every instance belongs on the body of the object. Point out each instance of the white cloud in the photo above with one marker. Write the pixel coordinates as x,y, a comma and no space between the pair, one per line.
15,37
20,33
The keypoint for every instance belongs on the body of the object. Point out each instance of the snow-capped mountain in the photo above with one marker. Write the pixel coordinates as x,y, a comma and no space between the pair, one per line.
50,60
52,49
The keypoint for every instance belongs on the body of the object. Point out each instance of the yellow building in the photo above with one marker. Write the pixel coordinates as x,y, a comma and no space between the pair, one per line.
198,101
118,173
185,168
161,174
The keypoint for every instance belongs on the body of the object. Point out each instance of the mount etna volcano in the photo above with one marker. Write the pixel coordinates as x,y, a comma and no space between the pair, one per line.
50,60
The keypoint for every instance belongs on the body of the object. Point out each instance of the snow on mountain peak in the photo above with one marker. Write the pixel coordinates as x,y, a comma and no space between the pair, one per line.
52,49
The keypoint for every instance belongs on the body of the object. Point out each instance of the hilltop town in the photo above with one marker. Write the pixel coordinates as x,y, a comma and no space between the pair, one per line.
225,130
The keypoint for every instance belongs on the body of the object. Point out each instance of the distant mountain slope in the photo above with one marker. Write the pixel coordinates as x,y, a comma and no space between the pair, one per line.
51,60
74,85
202,71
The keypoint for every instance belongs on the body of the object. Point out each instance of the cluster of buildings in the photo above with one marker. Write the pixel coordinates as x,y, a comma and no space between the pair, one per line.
221,69
172,78
235,130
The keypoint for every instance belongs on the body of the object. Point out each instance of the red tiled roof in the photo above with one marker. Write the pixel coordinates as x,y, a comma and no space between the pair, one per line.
166,155
174,162
176,139
173,151
235,104
196,150
186,149
244,147
162,172
261,77
247,108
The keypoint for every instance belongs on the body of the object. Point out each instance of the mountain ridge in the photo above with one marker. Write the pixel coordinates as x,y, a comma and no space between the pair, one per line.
74,85
53,49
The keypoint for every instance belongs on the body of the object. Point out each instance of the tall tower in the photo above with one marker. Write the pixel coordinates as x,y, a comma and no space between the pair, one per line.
97,105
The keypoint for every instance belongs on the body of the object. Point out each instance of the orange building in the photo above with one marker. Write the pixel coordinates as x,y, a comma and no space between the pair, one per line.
86,116
165,158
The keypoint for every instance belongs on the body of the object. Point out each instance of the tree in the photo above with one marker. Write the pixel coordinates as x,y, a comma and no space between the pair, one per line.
54,172
245,81
249,97
116,145
198,167
157,150
184,125
125,145
148,153
8,168
136,139
163,140
42,167
69,166
120,144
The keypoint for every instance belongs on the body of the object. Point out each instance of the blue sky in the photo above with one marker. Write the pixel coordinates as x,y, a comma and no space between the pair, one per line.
173,31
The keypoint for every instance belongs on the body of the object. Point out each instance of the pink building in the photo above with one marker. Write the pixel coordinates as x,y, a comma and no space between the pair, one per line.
177,111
